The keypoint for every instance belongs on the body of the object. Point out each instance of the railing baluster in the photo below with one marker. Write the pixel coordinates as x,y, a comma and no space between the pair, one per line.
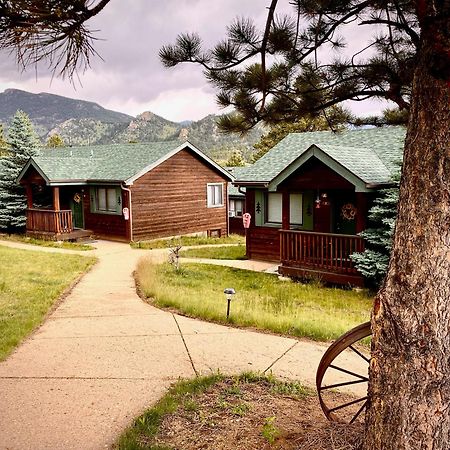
297,248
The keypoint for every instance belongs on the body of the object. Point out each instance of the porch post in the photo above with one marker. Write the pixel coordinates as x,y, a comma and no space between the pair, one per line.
285,211
56,204
361,211
56,207
29,192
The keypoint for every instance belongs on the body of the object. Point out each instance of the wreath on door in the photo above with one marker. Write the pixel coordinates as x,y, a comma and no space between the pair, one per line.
348,211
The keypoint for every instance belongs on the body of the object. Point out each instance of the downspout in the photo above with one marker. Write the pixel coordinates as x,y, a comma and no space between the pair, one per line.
130,208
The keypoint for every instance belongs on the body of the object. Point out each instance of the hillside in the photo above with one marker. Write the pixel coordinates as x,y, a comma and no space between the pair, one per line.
49,110
85,123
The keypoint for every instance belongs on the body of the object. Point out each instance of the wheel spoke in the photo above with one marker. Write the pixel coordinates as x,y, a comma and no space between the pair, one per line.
348,404
362,377
347,383
364,357
359,412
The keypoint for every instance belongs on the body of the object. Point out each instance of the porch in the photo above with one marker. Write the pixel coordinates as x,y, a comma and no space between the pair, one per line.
51,222
53,225
322,255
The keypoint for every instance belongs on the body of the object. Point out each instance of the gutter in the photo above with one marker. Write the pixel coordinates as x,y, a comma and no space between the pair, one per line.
130,208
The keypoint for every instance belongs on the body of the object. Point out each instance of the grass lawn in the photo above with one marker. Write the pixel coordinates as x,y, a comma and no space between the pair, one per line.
230,252
262,300
30,283
45,243
188,241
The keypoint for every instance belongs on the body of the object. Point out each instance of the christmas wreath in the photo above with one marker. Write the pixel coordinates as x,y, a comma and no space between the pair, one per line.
348,211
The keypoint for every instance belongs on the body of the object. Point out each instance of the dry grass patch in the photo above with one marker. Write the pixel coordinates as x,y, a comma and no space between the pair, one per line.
247,412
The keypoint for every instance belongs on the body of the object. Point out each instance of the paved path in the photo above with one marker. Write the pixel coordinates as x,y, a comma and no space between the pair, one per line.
104,356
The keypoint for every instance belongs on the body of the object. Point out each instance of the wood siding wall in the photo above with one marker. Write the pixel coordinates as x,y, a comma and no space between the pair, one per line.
263,243
171,199
236,226
112,226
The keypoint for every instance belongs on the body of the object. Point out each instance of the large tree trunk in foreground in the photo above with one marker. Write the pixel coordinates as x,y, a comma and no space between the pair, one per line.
410,368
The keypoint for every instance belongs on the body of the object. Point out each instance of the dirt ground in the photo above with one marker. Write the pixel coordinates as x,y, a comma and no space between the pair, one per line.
255,416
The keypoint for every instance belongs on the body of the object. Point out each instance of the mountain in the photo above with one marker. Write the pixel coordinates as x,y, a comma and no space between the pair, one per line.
85,123
48,110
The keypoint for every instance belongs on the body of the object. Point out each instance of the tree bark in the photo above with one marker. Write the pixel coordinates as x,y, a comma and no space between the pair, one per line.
409,386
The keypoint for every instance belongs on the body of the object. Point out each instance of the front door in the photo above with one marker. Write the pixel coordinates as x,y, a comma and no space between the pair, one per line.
76,205
322,219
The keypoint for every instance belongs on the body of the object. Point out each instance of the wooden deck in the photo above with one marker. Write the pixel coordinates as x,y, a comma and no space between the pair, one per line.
322,255
53,225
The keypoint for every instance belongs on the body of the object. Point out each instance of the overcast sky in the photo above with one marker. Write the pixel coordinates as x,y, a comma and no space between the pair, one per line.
131,78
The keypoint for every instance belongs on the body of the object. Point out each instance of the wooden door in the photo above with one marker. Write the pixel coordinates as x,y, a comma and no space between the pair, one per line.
322,219
76,205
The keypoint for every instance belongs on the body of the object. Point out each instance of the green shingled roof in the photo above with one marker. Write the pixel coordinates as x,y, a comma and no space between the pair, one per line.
109,163
372,155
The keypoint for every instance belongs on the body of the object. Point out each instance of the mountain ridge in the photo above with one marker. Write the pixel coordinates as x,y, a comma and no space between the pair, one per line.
80,122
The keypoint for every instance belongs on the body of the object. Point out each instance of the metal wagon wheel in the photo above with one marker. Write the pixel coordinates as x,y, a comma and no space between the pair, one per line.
348,411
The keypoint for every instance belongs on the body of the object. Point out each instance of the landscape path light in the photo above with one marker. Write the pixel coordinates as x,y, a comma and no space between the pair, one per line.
229,292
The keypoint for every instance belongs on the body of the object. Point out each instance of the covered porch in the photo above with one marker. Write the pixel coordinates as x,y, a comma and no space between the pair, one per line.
51,221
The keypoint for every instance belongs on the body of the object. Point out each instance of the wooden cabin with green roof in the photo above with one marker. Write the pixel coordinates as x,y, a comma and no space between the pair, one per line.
126,192
309,198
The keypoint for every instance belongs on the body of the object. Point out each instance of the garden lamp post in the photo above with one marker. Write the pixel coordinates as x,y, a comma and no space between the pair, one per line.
229,292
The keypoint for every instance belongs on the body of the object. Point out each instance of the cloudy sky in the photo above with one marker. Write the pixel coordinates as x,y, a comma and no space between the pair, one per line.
130,78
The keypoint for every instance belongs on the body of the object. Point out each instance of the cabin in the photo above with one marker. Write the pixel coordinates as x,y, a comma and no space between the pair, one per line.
128,192
309,198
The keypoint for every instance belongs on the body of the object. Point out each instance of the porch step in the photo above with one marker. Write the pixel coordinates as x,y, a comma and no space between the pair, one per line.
75,235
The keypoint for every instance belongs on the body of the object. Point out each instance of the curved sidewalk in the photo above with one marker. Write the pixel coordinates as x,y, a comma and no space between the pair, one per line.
104,356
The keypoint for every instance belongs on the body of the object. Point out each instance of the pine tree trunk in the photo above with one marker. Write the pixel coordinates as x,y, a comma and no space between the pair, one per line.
410,366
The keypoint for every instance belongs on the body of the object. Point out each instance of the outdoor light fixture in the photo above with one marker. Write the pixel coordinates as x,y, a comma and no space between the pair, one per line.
229,292
324,199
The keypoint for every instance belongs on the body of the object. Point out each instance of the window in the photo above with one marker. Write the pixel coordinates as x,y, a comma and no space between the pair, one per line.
236,208
215,195
106,200
296,209
274,202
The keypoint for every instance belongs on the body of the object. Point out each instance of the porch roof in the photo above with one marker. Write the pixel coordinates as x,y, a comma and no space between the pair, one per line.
366,157
116,163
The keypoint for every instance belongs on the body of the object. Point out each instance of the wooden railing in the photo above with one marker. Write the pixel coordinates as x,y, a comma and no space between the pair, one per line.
320,251
49,221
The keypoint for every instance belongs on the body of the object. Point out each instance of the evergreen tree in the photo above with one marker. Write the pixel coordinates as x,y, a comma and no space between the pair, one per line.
3,144
23,143
373,262
236,159
54,141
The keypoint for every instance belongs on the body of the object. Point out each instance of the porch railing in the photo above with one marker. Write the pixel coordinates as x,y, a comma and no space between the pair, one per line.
49,221
320,251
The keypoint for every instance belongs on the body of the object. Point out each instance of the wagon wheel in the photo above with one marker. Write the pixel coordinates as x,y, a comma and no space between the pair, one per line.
348,411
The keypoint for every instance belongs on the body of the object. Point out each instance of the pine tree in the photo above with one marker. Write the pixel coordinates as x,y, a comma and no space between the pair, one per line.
373,262
236,159
3,144
23,143
54,141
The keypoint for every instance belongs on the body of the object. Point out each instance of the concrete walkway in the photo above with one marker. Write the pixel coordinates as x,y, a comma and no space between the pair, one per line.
104,356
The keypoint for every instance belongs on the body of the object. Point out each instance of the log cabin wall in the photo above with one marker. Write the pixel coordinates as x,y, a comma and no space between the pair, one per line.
109,226
171,199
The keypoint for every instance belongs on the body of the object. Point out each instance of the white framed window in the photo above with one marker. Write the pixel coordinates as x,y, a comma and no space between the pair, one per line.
214,194
236,208
106,200
274,207
296,209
